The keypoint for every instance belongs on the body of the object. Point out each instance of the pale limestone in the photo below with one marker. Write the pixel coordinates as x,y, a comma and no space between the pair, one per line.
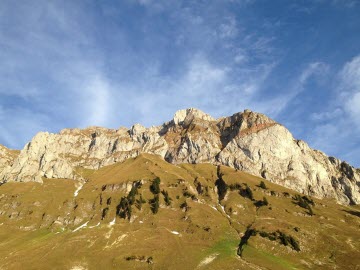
247,141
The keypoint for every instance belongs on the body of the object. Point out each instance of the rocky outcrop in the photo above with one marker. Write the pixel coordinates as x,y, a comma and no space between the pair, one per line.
247,141
7,157
58,155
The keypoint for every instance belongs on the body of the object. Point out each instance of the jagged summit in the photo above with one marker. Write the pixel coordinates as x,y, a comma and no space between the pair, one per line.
247,141
181,115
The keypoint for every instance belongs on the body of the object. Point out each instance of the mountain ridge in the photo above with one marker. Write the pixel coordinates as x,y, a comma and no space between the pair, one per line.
247,141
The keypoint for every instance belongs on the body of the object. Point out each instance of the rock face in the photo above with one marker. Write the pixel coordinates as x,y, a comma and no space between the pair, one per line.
246,141
7,158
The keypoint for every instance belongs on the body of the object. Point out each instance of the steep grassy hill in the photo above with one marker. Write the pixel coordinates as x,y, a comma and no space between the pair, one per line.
145,213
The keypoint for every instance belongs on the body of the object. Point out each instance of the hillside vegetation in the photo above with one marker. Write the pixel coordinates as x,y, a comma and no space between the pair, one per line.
146,213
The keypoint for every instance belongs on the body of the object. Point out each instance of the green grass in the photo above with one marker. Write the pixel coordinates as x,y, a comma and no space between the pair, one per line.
225,247
266,259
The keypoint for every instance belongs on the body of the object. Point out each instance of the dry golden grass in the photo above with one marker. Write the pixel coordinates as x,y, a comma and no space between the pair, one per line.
38,223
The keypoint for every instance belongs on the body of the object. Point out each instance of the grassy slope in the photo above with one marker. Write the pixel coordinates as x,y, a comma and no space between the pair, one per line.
38,222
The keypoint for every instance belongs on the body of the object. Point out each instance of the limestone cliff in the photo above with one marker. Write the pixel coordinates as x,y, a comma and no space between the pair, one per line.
247,141
7,157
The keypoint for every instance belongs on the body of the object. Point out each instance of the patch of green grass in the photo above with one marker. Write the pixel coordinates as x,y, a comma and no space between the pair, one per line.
225,247
265,259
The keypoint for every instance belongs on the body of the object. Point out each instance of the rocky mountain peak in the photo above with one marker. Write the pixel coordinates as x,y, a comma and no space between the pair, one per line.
247,141
189,114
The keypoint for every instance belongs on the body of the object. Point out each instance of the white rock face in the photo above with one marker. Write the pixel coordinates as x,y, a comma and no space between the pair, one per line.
246,141
181,115
57,155
7,158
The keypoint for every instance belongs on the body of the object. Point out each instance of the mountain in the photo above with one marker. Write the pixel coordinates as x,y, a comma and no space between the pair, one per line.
247,141
7,157
145,213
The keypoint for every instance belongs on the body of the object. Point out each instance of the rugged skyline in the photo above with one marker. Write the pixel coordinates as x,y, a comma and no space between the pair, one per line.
82,64
247,141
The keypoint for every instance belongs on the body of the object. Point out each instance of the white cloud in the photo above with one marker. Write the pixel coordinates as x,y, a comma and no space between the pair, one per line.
315,69
353,107
278,103
50,70
325,116
228,29
349,88
96,94
201,77
336,130
350,75
346,3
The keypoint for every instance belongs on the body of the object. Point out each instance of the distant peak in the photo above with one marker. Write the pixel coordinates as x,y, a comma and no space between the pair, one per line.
180,115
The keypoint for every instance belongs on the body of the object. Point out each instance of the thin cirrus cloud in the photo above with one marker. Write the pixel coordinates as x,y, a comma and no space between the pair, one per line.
78,64
338,126
350,88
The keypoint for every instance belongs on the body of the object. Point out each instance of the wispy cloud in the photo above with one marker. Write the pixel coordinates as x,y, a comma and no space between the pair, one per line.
336,128
349,88
46,70
75,64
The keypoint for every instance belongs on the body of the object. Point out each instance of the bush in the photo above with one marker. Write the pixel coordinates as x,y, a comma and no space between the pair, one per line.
123,209
131,195
155,186
244,239
265,201
108,202
262,185
286,240
154,204
262,202
304,202
189,195
104,212
289,240
167,199
139,202
286,194
222,188
184,206
294,243
308,200
199,187
235,187
247,193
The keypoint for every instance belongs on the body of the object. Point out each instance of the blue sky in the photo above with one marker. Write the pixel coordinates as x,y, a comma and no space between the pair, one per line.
116,63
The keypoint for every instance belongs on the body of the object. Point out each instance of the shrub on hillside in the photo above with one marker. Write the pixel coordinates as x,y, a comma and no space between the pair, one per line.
304,202
154,204
235,186
108,201
139,202
284,239
104,212
167,199
222,188
123,210
262,185
184,206
263,202
188,194
247,193
155,186
199,187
